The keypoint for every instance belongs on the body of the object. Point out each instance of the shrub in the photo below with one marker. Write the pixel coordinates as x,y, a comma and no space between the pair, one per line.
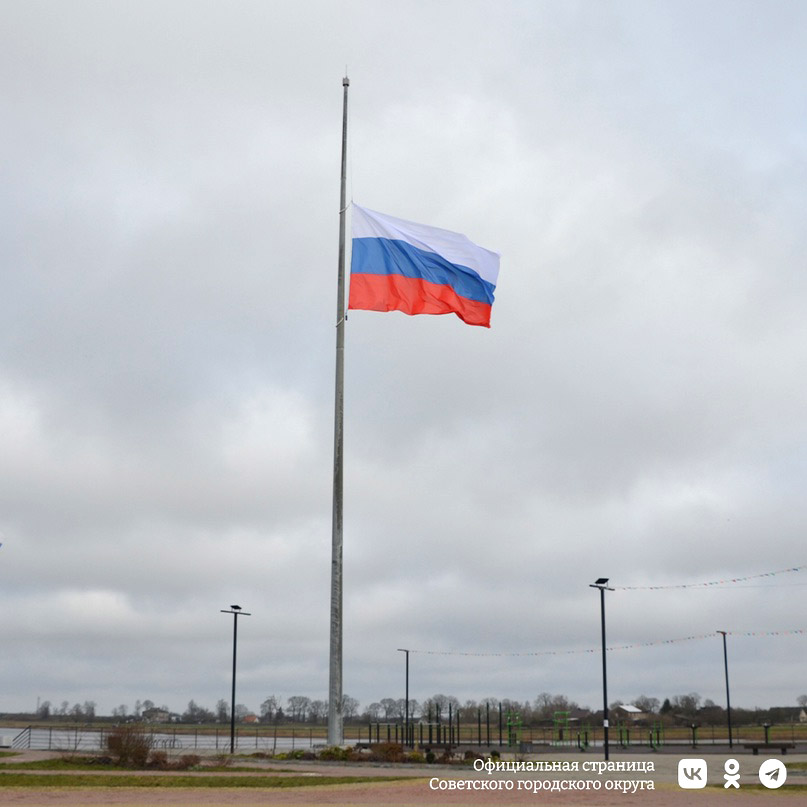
187,761
162,762
335,754
130,746
297,753
158,759
386,752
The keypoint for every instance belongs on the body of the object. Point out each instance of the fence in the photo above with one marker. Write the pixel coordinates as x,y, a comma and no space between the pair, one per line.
488,730
506,732
88,738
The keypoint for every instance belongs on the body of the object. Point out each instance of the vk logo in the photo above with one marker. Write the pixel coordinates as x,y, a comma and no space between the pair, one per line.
692,773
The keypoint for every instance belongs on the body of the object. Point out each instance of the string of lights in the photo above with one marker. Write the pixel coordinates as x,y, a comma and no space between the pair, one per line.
634,646
725,582
729,581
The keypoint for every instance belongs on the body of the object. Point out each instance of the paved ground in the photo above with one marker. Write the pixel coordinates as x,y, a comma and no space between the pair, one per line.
427,785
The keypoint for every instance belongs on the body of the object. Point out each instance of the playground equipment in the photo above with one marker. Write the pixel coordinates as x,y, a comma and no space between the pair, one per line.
561,733
513,729
656,736
583,735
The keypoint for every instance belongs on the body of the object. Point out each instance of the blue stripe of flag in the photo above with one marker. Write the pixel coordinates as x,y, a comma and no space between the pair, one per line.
385,256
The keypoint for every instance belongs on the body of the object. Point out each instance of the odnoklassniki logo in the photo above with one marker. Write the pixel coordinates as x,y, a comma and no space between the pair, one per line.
692,773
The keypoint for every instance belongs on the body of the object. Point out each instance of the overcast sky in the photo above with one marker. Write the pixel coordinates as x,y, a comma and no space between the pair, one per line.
168,238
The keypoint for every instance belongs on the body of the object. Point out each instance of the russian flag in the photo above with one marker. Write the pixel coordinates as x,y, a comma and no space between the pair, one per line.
398,265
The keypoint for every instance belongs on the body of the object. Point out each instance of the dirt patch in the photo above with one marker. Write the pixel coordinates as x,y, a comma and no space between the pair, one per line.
415,793
422,788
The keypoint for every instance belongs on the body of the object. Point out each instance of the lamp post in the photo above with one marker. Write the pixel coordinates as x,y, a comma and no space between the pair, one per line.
602,584
728,700
236,611
406,702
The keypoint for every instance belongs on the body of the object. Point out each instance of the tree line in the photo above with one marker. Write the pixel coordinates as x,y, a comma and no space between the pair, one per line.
300,709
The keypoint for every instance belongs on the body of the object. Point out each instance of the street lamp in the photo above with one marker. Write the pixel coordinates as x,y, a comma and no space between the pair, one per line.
728,700
236,611
406,702
602,584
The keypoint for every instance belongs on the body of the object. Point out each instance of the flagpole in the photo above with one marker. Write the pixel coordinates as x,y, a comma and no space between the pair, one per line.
335,736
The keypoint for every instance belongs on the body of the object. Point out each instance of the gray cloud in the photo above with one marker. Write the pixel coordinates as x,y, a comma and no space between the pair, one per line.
169,238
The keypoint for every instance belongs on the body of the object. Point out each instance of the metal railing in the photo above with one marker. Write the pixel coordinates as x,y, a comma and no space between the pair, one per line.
473,733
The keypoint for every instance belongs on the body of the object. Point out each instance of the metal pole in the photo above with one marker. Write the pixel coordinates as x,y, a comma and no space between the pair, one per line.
335,736
232,699
236,611
728,699
406,703
604,677
602,584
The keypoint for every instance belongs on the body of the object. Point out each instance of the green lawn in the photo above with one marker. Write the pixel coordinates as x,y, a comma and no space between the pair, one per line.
181,780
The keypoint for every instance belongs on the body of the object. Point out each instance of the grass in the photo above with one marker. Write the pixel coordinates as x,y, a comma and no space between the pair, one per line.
60,764
786,788
92,764
182,780
83,764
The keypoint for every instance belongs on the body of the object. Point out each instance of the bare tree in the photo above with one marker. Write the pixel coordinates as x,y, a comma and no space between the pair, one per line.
686,704
390,707
442,702
269,708
222,711
197,714
546,705
350,707
298,706
469,710
317,710
373,711
647,705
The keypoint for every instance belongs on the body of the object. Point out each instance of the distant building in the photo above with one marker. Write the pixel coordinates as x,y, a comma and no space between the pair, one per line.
803,716
629,713
156,715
